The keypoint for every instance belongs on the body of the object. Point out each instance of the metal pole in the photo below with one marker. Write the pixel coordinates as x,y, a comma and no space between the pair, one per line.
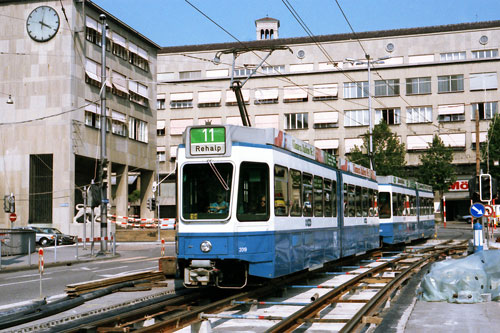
103,160
478,167
84,217
157,190
29,252
1,241
370,149
55,248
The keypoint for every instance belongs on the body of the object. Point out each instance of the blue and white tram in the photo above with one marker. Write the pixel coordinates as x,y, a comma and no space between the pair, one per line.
405,210
258,202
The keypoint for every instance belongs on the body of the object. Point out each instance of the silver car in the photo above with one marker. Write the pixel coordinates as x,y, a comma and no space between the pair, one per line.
42,238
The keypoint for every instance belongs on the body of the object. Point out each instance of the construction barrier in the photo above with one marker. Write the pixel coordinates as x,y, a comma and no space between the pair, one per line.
143,222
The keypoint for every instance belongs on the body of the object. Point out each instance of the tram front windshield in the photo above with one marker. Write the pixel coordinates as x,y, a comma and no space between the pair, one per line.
206,190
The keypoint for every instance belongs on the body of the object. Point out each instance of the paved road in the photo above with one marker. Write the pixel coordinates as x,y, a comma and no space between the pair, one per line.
18,285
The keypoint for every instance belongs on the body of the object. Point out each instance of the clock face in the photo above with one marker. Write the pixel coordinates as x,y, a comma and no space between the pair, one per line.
42,23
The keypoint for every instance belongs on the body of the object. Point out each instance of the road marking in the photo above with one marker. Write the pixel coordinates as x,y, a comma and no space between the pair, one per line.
20,282
147,269
109,269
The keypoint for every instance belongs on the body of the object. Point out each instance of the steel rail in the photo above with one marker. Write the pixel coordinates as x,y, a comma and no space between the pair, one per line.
370,308
310,311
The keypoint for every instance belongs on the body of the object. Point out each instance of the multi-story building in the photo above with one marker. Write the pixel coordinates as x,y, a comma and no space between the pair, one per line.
50,53
424,81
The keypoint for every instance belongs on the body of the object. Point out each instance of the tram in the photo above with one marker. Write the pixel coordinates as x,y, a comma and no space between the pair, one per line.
258,202
405,210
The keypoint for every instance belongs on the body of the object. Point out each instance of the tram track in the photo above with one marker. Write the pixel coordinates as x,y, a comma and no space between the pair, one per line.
364,283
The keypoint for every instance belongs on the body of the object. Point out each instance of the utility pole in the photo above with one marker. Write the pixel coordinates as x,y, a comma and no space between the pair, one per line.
368,62
103,157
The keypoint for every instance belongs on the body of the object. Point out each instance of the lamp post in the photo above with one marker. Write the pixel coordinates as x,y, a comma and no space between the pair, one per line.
369,62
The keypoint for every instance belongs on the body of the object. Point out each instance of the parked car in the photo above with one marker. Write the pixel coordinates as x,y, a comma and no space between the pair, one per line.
465,218
42,238
61,238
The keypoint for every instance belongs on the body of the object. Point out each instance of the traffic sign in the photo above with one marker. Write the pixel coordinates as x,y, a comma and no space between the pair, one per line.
488,211
477,210
12,217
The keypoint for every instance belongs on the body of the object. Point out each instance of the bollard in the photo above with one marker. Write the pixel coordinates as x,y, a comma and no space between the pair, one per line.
162,247
29,252
113,238
76,242
40,269
55,248
478,237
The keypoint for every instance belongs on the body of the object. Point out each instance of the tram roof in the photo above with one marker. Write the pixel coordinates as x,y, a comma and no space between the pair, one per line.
403,182
275,137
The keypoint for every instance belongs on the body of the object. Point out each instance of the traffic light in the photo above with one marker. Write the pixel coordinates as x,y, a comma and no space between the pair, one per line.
9,203
151,203
485,187
474,188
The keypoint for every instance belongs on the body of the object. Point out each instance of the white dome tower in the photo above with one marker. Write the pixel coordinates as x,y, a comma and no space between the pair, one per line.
267,28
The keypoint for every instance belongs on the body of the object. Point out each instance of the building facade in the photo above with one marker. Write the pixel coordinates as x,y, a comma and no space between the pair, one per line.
424,81
50,136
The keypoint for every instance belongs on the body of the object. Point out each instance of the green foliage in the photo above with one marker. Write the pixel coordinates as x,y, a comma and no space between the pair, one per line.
134,196
436,167
491,152
388,152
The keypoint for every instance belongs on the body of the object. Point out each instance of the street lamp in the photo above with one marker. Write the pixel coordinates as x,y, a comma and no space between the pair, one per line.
368,62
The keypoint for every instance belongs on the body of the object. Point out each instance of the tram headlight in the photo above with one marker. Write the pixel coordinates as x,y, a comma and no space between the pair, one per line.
205,246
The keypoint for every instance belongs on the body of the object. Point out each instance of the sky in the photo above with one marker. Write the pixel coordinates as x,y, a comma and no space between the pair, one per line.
176,22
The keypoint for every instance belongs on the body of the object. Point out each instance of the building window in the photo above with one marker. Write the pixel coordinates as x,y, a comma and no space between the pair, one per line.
138,57
356,118
92,73
450,83
120,85
296,121
138,130
387,87
486,110
93,31
93,116
242,72
40,188
445,118
118,123
160,104
295,94
161,156
324,92
138,93
389,116
356,89
266,96
207,99
119,48
279,69
418,85
483,54
181,104
189,75
328,119
450,56
483,81
417,115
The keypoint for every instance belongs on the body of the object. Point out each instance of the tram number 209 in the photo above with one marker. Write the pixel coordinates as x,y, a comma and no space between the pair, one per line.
243,249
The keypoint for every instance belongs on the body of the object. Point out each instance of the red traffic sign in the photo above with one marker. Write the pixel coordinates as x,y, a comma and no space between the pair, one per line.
488,211
12,217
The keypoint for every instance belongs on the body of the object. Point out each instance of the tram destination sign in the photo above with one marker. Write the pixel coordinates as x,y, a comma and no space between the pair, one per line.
208,141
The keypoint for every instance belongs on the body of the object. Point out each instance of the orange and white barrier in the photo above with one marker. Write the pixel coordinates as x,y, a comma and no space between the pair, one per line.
40,261
143,222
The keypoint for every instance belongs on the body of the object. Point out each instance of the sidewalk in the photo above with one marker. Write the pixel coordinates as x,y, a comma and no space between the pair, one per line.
55,256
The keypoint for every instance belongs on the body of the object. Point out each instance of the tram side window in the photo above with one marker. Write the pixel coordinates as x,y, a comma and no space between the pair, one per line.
253,190
365,201
357,199
307,190
334,198
280,191
295,198
205,194
327,190
352,200
346,201
413,205
318,196
384,203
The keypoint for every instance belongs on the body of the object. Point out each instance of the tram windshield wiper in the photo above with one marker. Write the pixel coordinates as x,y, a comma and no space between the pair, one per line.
219,176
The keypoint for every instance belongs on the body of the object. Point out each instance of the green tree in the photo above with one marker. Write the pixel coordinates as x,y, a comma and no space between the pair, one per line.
388,152
491,151
436,167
